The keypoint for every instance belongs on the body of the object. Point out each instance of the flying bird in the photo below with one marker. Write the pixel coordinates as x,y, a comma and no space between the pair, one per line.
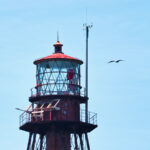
116,61
111,61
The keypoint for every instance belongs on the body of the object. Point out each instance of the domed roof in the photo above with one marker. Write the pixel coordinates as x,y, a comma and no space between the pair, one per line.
58,55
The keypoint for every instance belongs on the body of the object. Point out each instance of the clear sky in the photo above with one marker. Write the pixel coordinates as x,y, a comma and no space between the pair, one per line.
119,93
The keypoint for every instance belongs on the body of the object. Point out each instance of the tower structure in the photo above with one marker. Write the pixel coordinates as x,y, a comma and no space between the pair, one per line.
57,117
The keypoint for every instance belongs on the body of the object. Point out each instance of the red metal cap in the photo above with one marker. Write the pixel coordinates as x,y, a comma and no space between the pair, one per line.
58,55
58,43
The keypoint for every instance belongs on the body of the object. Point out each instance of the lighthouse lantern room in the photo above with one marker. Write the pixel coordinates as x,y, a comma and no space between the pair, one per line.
55,120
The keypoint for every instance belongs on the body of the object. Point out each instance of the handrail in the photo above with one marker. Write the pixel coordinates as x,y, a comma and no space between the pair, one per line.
34,92
29,116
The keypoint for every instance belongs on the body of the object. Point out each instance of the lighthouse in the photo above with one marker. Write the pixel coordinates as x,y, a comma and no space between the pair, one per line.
55,119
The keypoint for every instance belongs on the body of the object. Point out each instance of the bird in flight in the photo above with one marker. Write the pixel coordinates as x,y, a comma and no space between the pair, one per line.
116,61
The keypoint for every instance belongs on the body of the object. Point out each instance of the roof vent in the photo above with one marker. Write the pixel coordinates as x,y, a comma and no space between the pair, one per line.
58,47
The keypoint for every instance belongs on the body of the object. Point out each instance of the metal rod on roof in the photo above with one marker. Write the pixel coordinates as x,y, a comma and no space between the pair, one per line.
86,64
87,27
57,36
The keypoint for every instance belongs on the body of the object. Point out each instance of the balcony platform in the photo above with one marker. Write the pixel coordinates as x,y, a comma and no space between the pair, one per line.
71,126
41,121
38,98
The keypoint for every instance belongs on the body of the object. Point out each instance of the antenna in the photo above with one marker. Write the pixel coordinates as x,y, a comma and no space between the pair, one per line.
87,27
57,36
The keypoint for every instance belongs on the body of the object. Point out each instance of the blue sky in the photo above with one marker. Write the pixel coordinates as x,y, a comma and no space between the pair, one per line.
119,93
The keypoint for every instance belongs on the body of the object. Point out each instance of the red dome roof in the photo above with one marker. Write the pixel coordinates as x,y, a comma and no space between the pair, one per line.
58,56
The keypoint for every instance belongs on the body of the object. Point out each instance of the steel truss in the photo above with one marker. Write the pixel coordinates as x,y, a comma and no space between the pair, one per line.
77,142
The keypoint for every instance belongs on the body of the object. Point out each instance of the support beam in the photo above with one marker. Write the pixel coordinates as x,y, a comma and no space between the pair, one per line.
76,142
29,141
41,142
81,141
57,140
33,142
87,141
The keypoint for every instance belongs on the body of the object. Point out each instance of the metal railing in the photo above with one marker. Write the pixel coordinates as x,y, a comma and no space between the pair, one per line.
92,117
34,92
39,116
25,117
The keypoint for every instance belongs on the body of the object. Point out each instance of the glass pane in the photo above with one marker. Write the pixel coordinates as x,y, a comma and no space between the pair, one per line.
58,77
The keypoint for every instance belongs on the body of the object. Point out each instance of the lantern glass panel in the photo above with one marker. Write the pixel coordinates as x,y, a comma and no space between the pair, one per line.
58,78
